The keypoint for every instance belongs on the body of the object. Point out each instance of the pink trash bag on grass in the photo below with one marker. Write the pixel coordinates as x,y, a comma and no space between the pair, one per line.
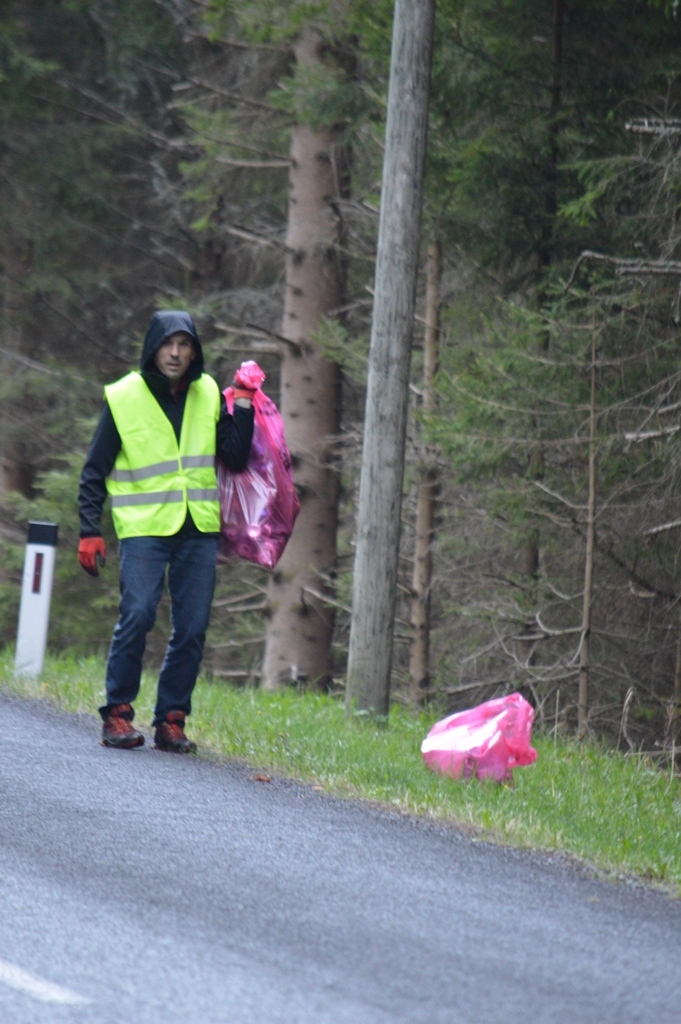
259,506
485,742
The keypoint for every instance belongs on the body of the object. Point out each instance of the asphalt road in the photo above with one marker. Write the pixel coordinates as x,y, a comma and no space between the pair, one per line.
141,886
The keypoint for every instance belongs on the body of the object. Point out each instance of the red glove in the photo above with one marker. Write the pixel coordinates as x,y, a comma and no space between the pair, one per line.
91,553
243,392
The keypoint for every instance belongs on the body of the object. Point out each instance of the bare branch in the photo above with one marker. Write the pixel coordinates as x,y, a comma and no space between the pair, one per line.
252,236
558,497
654,126
477,685
32,364
258,343
241,607
273,334
226,94
235,673
624,721
662,529
647,435
254,165
325,599
668,408
238,643
626,266
547,631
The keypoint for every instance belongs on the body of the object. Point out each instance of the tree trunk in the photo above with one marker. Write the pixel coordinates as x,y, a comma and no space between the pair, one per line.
380,492
15,475
531,560
419,660
674,718
298,642
584,648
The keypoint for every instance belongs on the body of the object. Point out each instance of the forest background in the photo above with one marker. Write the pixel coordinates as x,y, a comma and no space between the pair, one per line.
226,158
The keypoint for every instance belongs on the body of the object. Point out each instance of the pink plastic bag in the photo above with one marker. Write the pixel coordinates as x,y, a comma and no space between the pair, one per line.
485,742
259,506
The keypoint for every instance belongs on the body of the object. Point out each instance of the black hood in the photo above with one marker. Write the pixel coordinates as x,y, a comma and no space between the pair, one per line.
162,324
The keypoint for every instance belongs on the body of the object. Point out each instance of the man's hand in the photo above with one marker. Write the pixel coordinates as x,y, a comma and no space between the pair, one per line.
91,554
247,379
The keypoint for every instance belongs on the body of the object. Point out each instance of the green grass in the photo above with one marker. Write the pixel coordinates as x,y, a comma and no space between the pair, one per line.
619,814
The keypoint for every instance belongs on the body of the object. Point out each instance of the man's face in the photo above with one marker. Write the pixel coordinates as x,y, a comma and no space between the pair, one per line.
174,355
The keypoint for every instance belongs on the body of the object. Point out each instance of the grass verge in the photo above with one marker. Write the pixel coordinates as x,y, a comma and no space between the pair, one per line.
619,814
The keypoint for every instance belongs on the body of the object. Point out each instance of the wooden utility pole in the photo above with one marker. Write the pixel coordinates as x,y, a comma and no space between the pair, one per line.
419,655
380,492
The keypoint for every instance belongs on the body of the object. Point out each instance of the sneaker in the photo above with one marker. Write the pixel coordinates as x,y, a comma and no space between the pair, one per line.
170,735
118,730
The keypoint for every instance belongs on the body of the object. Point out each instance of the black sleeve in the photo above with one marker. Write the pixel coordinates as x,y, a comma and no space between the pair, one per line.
105,446
233,436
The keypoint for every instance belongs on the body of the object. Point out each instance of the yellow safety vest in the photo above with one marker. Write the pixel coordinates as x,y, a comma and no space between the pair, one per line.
151,498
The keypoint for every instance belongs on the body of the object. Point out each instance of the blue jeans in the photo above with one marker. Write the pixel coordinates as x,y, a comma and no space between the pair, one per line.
191,581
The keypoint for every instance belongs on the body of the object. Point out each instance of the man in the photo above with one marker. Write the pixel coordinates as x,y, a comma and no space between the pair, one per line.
153,452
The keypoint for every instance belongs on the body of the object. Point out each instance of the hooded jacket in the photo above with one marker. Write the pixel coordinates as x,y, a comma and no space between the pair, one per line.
233,431
162,324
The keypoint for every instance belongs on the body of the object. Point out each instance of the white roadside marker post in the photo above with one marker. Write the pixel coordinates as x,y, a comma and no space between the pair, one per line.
36,594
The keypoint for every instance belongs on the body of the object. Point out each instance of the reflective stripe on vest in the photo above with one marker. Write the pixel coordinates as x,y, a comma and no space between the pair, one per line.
159,468
152,498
